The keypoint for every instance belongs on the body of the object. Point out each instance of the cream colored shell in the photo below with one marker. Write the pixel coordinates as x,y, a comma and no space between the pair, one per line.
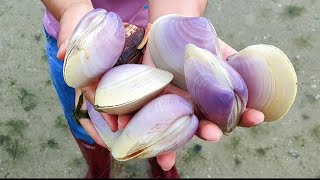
270,77
126,88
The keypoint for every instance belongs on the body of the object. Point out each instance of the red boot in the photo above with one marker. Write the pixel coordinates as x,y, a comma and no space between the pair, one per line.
97,158
159,173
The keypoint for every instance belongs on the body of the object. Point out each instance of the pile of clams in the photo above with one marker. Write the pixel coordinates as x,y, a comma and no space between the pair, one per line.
186,53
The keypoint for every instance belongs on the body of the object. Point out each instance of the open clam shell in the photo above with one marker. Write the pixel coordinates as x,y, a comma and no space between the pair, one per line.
170,34
94,48
126,88
164,124
270,78
215,87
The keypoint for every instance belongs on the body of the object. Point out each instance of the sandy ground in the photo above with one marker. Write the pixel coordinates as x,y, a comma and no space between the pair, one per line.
35,141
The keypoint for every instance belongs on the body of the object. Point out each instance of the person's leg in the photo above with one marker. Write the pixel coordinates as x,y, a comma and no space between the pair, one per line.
97,157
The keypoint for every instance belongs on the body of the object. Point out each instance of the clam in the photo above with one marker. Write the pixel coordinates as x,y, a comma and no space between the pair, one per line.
103,129
270,78
215,87
131,54
164,124
170,34
109,137
126,88
185,51
89,54
99,42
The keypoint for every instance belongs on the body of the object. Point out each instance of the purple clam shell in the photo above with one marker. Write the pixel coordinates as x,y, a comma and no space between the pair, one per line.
217,89
102,127
164,124
170,34
94,47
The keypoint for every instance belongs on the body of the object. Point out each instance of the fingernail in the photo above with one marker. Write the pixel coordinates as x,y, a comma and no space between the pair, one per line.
259,118
120,126
165,169
58,54
214,136
63,46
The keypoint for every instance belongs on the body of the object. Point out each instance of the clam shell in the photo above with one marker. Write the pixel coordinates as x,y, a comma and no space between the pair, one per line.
164,124
108,137
215,87
270,78
89,53
126,88
170,34
131,54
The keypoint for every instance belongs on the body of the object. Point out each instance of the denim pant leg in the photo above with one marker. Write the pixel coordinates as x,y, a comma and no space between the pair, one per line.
65,93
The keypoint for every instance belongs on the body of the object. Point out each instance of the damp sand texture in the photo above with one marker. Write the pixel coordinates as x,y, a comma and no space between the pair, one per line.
35,141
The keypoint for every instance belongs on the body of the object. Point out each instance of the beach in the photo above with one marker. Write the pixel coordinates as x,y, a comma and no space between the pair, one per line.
35,141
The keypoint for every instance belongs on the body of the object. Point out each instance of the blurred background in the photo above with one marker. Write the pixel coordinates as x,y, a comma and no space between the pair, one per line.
35,140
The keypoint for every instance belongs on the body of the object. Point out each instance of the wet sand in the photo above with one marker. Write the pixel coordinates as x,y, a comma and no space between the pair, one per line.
35,140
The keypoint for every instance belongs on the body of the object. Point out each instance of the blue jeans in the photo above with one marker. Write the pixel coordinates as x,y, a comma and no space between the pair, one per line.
65,93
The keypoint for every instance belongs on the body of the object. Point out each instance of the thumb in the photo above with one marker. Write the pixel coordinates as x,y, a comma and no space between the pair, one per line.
68,22
167,160
62,50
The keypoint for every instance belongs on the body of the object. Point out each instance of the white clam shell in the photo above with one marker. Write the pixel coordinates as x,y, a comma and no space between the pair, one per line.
126,88
270,78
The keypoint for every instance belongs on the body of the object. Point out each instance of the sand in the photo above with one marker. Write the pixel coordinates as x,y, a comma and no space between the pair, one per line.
35,141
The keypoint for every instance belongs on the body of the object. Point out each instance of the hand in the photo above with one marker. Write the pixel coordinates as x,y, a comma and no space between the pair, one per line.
68,22
207,130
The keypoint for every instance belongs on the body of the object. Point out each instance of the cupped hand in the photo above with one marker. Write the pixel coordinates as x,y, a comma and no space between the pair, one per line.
207,130
68,22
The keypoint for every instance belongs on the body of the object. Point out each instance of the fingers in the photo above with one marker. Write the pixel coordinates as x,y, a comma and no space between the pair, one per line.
123,120
172,89
70,19
89,92
250,118
68,22
147,58
90,129
209,131
111,120
226,50
167,161
62,50
87,124
116,122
